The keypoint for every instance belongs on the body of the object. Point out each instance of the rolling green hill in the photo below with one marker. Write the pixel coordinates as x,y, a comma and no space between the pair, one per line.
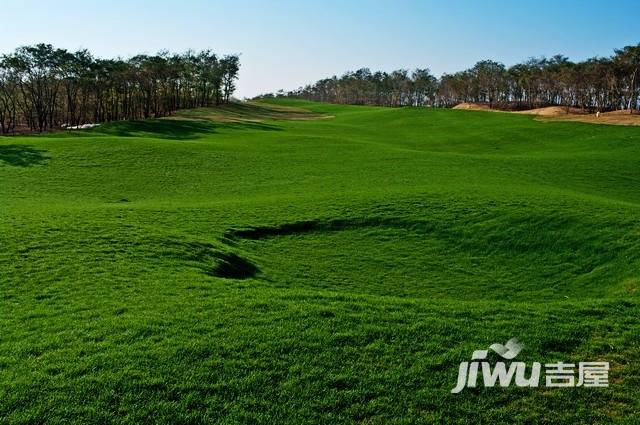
296,262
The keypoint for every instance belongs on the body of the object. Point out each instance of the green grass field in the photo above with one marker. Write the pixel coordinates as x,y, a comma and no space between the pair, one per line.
242,265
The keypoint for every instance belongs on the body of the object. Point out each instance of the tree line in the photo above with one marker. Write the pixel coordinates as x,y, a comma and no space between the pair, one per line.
42,87
596,84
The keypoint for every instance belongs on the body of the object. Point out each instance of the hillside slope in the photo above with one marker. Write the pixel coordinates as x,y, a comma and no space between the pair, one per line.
296,262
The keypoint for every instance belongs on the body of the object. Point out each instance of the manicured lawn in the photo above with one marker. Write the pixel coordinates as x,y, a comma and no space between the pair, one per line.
244,265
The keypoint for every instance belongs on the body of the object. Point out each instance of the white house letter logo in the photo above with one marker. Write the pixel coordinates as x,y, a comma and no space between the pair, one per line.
591,374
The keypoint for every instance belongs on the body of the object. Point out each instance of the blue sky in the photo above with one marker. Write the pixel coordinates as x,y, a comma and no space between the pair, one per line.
285,44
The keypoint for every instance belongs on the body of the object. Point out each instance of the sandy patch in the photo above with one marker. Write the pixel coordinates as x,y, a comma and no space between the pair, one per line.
473,106
553,111
611,118
562,113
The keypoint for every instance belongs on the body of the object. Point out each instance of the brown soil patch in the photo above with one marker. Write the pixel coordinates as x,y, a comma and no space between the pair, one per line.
562,113
473,106
611,119
620,112
553,111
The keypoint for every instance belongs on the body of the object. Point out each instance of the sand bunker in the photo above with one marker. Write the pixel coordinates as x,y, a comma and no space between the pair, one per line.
472,106
554,111
562,113
622,117
619,112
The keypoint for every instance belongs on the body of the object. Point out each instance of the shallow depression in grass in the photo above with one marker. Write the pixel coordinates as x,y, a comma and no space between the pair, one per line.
503,259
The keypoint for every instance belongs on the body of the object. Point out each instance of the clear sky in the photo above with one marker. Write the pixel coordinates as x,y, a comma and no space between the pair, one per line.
286,44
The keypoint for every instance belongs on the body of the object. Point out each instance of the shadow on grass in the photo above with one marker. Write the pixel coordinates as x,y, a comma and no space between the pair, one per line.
309,226
22,155
177,129
212,260
232,266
